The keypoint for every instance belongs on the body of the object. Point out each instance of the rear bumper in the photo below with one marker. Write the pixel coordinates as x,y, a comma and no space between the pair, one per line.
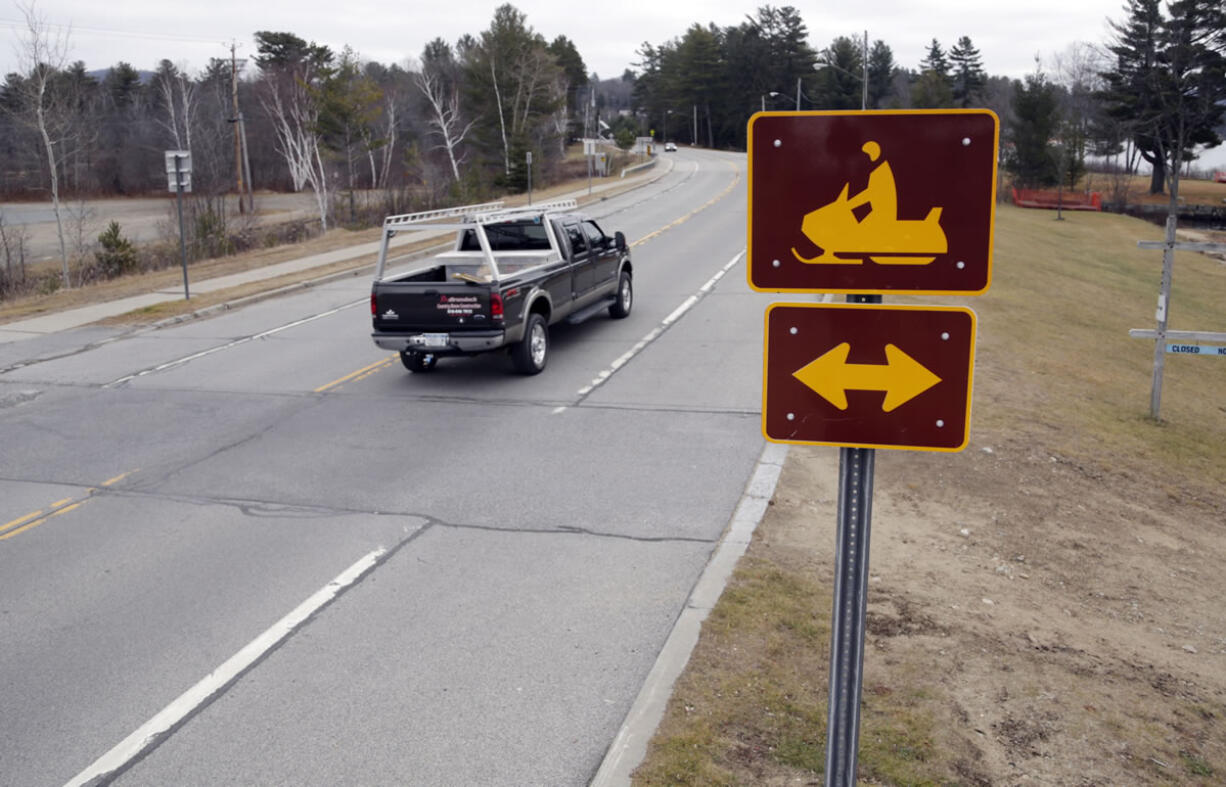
457,343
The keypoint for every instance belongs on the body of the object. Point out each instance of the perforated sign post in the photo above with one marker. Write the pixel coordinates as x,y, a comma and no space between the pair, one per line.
863,203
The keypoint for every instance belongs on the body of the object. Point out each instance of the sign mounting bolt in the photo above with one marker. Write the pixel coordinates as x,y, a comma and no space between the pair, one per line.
966,142
961,265
945,336
793,331
940,424
779,143
775,263
791,416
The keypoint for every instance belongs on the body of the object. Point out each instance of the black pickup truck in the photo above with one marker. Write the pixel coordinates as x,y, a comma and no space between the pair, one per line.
510,274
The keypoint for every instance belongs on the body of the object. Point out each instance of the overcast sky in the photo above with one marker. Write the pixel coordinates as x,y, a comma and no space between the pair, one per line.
607,34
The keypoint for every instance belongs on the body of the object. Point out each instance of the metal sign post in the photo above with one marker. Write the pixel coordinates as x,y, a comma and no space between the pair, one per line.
179,175
847,619
863,203
529,177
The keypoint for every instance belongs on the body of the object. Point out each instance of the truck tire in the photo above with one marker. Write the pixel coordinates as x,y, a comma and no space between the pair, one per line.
418,362
625,297
531,354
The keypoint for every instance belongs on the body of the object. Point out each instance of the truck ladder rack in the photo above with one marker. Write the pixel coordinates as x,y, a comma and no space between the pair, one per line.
463,211
485,217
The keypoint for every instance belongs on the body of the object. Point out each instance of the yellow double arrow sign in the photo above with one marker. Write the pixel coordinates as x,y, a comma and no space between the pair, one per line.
901,377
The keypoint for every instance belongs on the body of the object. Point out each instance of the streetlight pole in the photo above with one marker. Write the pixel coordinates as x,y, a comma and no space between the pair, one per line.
823,62
864,76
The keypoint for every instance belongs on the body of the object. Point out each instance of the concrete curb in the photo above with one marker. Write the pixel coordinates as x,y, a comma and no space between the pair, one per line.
629,748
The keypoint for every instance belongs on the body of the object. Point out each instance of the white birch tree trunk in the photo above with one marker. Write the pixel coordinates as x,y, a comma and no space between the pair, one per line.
446,118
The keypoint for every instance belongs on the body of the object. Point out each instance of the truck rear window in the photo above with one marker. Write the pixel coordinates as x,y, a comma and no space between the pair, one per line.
509,236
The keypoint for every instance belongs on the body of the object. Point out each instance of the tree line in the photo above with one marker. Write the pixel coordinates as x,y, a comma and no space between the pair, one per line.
459,122
1153,92
456,125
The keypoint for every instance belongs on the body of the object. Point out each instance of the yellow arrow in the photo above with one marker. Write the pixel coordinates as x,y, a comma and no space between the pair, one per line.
902,377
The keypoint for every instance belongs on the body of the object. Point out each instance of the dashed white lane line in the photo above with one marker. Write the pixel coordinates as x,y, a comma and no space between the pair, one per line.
677,314
195,356
152,732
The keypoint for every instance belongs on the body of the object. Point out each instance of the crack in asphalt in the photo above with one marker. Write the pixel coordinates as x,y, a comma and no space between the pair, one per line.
269,509
71,353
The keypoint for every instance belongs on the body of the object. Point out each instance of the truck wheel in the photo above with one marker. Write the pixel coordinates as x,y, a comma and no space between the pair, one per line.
625,297
530,355
416,361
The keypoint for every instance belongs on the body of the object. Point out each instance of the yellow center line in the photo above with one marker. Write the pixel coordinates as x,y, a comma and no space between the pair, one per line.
20,520
692,213
371,368
119,477
23,523
38,522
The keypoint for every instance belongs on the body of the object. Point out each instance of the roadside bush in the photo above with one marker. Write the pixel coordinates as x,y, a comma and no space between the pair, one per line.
117,255
210,238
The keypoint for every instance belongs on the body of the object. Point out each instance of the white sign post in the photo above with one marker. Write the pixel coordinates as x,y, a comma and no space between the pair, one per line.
1168,341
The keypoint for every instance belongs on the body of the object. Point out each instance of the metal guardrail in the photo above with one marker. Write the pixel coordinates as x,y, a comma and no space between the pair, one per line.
636,167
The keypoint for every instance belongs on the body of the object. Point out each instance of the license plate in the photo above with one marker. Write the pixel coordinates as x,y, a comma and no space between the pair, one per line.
435,340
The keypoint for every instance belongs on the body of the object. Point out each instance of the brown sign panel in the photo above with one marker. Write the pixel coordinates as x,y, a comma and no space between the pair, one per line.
868,375
870,202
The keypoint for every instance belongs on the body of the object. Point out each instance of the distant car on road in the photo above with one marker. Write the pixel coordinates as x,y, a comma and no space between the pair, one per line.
670,147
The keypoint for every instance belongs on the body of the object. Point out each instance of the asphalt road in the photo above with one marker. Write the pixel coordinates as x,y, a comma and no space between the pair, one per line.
459,578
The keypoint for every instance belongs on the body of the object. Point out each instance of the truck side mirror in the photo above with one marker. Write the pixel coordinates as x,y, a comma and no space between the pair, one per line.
619,239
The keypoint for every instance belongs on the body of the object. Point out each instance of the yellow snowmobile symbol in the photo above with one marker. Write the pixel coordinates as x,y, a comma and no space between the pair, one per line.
880,235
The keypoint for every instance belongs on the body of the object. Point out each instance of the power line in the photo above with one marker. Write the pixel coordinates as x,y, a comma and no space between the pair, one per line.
17,24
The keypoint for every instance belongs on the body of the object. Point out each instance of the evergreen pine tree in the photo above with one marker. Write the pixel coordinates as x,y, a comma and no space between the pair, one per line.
1032,160
967,73
1168,84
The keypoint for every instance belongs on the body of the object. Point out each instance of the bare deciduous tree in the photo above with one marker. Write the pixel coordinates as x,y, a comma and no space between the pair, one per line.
178,94
294,113
42,52
445,119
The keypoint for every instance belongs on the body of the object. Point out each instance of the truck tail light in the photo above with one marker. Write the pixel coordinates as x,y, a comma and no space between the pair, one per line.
373,311
496,306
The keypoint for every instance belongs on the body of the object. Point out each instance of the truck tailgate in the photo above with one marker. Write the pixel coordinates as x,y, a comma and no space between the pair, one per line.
441,306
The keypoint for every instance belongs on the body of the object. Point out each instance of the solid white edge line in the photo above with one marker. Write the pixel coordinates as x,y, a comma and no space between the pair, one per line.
629,747
186,703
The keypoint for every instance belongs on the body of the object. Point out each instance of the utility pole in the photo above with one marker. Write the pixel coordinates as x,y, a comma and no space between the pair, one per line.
238,145
242,165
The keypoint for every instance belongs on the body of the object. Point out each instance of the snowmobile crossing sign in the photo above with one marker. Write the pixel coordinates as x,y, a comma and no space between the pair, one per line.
872,202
